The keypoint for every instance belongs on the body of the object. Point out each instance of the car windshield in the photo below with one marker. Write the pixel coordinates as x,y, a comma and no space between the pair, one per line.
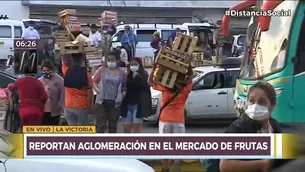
197,75
264,54
241,40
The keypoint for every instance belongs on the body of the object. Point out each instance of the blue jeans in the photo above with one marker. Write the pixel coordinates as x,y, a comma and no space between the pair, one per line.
131,117
75,116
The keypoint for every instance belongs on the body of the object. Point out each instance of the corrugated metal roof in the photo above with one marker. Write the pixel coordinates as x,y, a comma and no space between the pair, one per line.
140,3
128,15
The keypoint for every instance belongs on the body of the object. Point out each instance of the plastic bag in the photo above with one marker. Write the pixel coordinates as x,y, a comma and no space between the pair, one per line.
4,94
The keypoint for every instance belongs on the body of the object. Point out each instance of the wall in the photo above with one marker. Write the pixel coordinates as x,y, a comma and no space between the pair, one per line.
14,10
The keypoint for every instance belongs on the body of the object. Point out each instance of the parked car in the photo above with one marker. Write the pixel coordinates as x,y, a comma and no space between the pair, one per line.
67,165
9,114
211,96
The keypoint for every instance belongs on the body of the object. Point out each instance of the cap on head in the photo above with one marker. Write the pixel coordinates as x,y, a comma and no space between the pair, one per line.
177,29
127,27
156,33
94,26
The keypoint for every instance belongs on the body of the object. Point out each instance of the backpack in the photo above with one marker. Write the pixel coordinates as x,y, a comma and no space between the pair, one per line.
242,125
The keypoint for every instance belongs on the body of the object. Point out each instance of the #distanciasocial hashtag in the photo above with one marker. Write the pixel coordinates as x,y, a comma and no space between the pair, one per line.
268,13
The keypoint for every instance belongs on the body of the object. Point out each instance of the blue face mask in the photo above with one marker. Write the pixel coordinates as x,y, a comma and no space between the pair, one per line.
134,68
111,64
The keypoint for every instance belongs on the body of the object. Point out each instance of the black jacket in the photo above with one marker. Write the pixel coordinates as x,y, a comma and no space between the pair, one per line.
145,105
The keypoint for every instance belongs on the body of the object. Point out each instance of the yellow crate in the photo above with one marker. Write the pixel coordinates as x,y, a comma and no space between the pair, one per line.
175,61
67,12
184,44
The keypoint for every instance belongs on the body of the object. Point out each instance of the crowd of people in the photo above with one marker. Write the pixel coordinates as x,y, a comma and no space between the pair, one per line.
127,95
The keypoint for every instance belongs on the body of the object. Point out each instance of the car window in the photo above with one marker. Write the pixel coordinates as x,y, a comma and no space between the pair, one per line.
206,82
5,80
145,35
119,35
5,31
231,77
17,31
165,34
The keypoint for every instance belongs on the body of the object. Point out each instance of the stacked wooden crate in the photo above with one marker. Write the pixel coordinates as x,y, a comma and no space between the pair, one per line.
197,59
109,18
62,36
70,21
173,63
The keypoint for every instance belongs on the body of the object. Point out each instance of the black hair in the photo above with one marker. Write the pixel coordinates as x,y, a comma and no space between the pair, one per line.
141,67
77,58
116,54
48,64
267,88
31,23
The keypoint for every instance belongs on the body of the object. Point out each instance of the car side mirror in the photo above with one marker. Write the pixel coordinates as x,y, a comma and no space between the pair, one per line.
115,39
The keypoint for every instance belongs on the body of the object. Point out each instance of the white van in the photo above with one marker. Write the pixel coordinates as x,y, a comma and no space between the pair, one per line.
9,30
144,33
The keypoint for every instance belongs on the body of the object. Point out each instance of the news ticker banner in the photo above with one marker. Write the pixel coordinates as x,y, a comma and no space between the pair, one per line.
156,146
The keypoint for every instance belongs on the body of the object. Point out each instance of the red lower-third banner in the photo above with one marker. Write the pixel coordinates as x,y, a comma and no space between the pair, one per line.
150,146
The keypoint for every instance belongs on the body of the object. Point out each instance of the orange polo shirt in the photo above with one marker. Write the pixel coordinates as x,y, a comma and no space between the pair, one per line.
173,112
75,98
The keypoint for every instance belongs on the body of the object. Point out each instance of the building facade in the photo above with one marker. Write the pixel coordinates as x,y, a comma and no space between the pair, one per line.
171,12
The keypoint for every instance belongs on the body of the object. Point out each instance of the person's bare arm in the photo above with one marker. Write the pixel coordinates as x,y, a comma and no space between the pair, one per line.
242,166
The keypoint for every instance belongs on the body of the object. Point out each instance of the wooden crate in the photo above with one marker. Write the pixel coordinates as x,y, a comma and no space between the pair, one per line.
184,44
197,56
69,48
67,12
91,53
147,61
165,76
174,60
62,36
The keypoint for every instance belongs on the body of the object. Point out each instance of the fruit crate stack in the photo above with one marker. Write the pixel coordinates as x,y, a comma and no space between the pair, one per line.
197,59
109,18
70,21
172,63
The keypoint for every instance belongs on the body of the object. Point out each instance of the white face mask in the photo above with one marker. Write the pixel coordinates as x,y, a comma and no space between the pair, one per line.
31,27
257,112
134,68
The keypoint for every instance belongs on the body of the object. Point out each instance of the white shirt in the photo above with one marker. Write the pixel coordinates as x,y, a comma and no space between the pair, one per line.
124,55
30,34
96,38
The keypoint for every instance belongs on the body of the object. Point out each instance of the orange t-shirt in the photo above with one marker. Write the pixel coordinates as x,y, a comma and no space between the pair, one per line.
75,98
173,112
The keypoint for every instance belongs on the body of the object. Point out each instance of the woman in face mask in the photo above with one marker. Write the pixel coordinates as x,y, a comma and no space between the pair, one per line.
137,103
257,119
110,86
54,87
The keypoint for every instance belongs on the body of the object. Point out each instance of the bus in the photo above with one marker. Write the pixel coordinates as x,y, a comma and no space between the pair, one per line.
274,54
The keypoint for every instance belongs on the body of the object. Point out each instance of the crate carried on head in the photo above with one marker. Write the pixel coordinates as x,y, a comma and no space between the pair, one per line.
62,36
70,21
176,61
71,48
167,77
109,18
184,44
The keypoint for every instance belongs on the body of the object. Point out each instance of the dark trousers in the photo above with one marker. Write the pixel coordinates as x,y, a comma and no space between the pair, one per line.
49,120
107,119
130,51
